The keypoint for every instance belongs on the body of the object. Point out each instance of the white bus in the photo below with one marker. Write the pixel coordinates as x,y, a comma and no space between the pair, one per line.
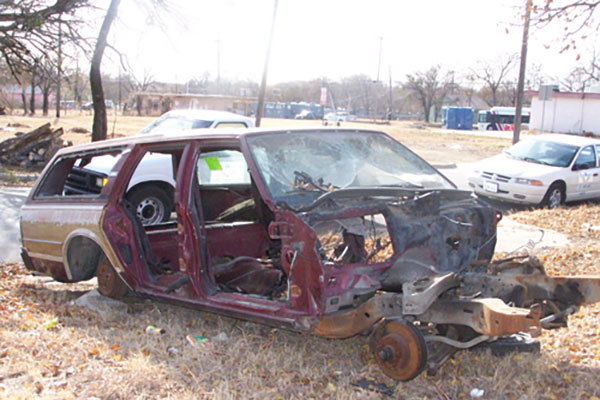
501,119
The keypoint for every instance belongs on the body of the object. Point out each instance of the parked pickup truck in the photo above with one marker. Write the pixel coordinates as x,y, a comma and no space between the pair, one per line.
150,191
334,232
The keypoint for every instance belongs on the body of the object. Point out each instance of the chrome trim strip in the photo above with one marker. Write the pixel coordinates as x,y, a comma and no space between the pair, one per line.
45,257
42,241
73,207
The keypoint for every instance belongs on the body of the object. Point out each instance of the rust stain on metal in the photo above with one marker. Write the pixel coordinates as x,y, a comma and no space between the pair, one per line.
349,323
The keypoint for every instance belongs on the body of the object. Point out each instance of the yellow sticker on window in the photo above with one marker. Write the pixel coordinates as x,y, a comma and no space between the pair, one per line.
213,163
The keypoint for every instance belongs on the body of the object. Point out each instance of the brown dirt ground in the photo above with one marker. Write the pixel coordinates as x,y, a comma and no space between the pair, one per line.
431,144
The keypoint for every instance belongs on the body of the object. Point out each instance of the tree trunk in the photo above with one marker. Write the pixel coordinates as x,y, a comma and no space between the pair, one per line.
100,126
138,105
46,94
32,99
427,110
24,98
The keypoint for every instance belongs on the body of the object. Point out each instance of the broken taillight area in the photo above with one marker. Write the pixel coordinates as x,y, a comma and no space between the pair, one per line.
359,240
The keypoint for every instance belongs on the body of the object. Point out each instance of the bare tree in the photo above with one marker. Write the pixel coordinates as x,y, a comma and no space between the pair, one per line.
583,75
577,16
151,7
31,27
139,86
535,77
591,70
492,74
430,87
100,125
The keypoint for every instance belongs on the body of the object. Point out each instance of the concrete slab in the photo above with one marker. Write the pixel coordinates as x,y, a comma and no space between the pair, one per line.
11,201
513,235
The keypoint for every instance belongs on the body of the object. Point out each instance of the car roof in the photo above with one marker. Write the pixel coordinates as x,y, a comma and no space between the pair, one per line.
574,140
189,135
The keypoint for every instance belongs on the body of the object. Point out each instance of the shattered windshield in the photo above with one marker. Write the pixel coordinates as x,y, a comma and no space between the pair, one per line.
297,167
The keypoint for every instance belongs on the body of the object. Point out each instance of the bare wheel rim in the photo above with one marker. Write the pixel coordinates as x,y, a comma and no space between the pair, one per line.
150,210
555,198
109,283
400,351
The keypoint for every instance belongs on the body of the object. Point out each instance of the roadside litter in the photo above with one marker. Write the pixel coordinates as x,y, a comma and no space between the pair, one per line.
153,330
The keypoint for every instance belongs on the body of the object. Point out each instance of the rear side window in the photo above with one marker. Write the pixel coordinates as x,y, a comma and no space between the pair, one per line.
222,168
231,125
83,174
175,124
586,158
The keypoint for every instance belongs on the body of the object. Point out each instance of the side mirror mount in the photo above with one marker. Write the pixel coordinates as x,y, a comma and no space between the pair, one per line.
579,167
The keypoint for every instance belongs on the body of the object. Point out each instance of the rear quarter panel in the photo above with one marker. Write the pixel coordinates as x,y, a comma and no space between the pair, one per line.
47,227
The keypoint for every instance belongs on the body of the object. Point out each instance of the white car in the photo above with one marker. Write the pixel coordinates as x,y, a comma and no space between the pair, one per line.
338,117
150,189
547,170
183,120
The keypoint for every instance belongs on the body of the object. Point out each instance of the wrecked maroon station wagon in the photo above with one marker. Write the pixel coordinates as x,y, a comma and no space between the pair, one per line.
336,232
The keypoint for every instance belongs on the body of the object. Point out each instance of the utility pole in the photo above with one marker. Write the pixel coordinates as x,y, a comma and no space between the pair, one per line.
120,87
379,62
521,83
76,82
218,64
376,111
263,84
59,67
391,96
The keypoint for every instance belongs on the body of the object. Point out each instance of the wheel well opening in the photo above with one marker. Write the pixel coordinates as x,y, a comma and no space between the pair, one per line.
83,256
562,183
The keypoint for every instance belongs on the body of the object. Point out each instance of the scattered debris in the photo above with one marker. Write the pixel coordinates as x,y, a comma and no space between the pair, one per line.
477,393
374,386
221,337
17,125
33,149
77,129
515,343
50,324
101,305
153,330
196,340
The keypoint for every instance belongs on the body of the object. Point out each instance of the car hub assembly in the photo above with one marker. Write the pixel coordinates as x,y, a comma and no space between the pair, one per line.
400,350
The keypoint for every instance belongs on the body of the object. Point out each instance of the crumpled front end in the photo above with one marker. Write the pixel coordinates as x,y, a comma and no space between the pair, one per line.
419,277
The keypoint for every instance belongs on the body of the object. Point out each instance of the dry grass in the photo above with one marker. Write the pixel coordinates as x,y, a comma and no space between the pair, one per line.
88,356
580,220
433,144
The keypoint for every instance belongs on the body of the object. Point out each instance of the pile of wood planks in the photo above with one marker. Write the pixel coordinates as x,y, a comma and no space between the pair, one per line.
32,149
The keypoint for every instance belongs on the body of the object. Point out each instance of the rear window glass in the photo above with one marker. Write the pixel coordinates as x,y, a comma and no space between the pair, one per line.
83,174
231,125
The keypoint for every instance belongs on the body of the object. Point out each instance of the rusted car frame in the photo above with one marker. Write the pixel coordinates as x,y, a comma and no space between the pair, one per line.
407,263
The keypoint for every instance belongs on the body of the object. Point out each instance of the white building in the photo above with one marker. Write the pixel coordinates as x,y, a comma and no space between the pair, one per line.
566,112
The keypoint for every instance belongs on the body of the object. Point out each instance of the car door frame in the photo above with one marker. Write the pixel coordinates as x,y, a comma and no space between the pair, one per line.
587,179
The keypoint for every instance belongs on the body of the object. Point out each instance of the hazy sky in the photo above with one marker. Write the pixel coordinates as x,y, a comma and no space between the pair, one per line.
331,38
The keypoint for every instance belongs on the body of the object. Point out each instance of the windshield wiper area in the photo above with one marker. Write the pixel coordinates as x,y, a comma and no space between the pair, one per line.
406,184
533,160
381,191
304,181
